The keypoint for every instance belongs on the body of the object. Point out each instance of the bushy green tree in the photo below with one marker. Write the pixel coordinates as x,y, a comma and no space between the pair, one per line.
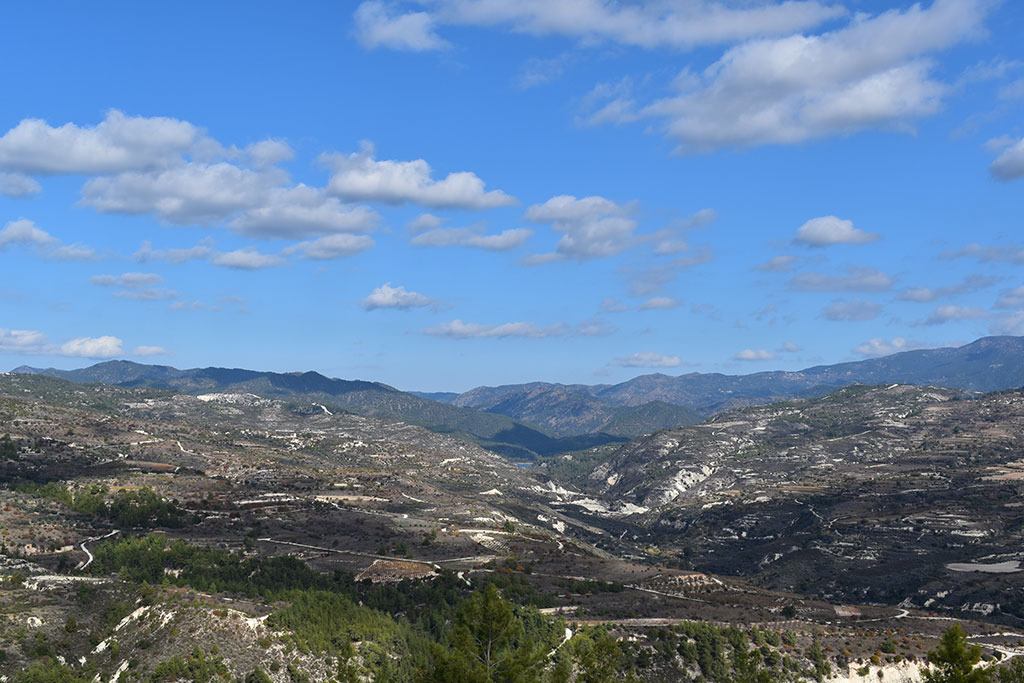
954,660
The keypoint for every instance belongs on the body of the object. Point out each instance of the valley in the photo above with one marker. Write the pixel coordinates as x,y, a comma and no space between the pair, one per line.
855,527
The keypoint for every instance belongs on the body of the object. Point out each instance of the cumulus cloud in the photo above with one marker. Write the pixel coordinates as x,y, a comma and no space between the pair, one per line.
23,231
267,153
199,252
127,280
754,355
877,346
790,347
331,247
379,24
457,329
777,264
857,279
830,230
359,177
119,143
169,168
591,227
857,310
304,212
189,194
387,296
946,314
646,359
22,341
17,185
1009,165
876,72
472,236
35,343
677,26
657,303
926,294
92,347
248,258
149,351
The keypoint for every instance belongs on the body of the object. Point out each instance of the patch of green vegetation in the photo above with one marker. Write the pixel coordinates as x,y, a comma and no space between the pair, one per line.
142,508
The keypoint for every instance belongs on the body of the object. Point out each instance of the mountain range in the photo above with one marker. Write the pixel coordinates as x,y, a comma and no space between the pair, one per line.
524,421
988,364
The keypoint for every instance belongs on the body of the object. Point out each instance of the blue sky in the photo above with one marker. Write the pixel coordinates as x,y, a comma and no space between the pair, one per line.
449,193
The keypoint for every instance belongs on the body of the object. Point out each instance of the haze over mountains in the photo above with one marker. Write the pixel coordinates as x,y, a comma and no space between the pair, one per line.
524,421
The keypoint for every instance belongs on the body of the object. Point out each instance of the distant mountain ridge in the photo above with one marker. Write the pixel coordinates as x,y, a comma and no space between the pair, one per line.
541,418
497,432
987,364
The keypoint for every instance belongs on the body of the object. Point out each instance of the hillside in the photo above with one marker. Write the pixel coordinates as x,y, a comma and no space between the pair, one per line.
496,432
895,494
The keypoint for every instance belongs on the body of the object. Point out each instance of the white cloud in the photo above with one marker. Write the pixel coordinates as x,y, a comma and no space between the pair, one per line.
119,143
73,252
945,314
378,25
679,26
22,341
359,177
35,343
754,354
970,283
247,258
149,351
425,221
700,219
127,280
987,254
611,305
884,347
267,153
790,347
658,303
874,72
176,256
458,329
591,227
387,296
189,194
169,168
23,231
92,347
26,232
1010,164
829,230
18,185
857,310
859,279
304,212
594,327
777,264
1011,298
646,359
472,237
331,247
